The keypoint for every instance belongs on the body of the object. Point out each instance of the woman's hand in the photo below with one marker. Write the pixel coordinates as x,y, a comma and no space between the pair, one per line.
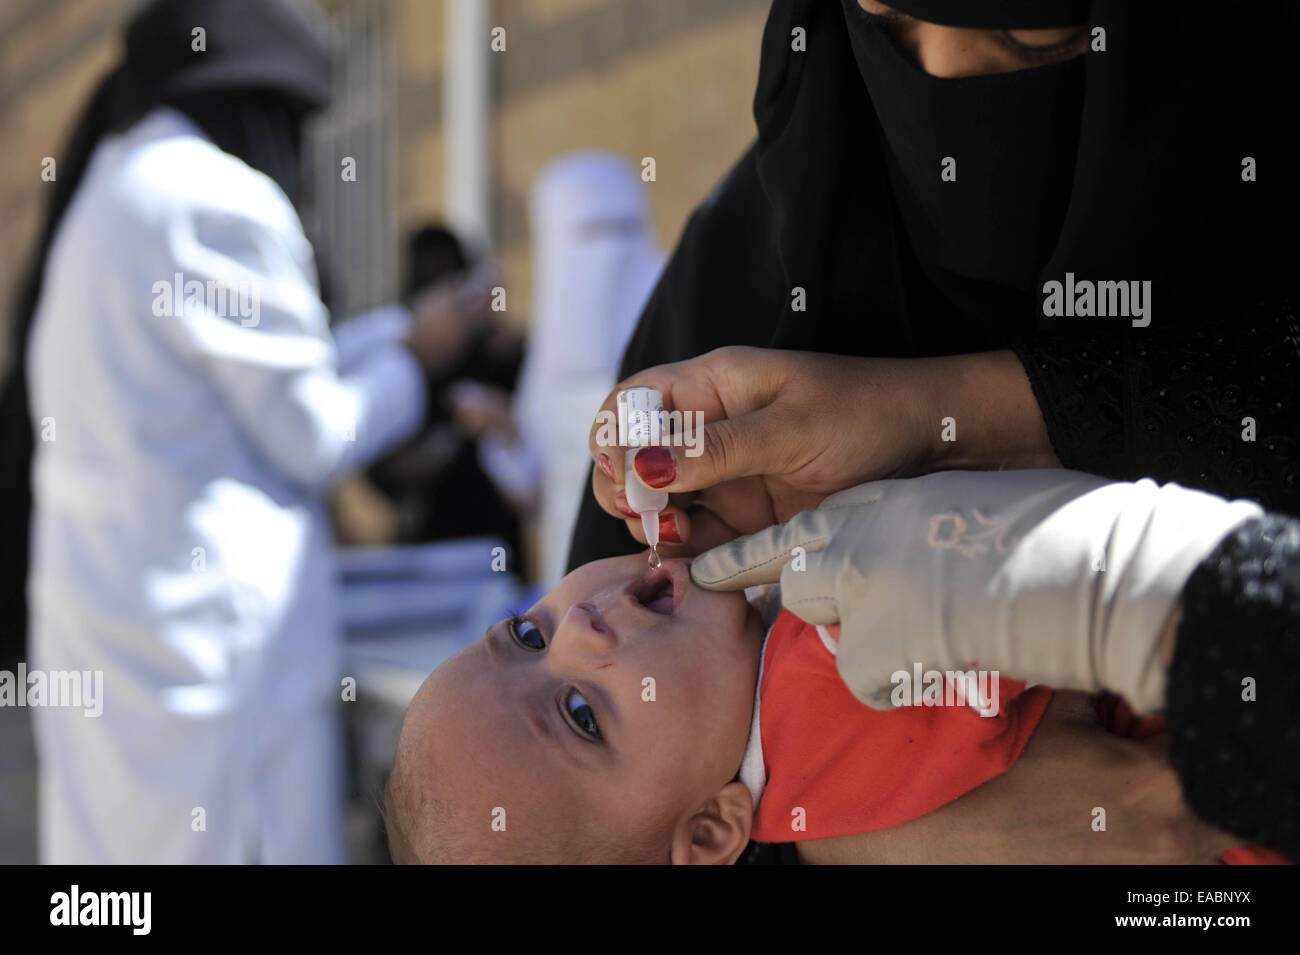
1050,576
1043,810
784,429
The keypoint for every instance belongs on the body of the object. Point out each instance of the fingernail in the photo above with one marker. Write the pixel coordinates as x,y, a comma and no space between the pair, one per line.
655,466
668,529
605,466
620,502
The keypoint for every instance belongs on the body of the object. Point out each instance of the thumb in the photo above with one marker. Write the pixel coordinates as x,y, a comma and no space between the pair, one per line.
719,452
759,558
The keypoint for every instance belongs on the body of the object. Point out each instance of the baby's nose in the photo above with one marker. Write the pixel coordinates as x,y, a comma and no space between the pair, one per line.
586,634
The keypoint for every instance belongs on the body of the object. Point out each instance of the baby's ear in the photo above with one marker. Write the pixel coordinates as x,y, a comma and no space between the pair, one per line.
718,833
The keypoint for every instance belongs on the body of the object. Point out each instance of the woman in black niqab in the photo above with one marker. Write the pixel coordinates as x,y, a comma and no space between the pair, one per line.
264,66
1164,158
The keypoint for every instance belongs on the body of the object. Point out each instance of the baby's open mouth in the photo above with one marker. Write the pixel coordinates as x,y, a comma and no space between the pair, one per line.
661,590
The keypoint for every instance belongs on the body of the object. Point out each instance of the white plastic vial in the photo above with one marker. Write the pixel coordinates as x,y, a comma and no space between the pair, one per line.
640,423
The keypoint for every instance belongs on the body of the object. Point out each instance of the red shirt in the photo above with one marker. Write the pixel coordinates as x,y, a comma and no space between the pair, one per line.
836,767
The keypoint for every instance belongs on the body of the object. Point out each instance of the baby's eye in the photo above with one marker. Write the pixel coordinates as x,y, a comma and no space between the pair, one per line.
526,633
582,714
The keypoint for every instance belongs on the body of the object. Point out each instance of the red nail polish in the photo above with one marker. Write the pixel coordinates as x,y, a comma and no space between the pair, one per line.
655,466
620,502
668,529
606,468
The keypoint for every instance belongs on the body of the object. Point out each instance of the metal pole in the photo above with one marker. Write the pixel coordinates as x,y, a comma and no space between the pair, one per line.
465,110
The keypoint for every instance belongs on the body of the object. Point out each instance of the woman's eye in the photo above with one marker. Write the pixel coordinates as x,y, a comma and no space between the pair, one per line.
526,633
582,714
1044,43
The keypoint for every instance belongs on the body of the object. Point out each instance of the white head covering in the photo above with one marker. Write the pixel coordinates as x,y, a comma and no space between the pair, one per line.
595,262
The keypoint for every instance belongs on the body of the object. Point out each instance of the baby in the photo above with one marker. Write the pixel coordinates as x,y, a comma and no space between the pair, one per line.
606,725
623,719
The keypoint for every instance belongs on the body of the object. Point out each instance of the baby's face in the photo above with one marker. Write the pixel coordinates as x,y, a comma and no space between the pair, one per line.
612,712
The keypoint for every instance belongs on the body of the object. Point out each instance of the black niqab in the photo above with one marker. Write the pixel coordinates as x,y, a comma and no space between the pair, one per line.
968,154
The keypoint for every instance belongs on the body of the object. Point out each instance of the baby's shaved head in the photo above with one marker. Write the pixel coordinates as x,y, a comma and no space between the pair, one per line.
420,823
413,819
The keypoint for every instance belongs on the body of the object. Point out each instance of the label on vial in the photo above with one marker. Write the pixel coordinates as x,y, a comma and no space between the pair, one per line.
640,415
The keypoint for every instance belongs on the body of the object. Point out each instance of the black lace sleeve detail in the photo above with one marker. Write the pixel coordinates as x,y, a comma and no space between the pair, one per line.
1234,686
1171,403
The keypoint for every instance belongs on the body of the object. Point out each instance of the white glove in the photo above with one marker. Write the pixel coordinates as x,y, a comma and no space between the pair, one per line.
1047,576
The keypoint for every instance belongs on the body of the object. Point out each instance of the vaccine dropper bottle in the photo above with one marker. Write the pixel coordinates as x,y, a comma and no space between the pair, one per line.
640,420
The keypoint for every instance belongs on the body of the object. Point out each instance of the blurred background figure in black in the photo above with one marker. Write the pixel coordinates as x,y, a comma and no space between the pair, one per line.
435,487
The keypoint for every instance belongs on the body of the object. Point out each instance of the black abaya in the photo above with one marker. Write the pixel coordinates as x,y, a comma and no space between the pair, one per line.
1170,112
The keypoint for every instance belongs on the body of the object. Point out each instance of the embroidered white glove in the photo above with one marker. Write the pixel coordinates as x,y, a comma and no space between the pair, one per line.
1047,576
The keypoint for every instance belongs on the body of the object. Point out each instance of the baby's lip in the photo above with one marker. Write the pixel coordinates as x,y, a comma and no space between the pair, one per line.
663,589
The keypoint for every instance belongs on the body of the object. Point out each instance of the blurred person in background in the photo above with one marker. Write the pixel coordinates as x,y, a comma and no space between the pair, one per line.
173,354
595,262
440,484
501,454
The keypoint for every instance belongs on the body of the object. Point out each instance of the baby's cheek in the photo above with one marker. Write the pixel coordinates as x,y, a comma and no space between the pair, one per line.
667,704
688,696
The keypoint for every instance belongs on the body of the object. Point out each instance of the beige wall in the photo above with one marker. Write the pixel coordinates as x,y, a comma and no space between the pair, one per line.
684,99
51,55
672,79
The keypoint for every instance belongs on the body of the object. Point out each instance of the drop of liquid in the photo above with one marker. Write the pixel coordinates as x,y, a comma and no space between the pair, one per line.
654,557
